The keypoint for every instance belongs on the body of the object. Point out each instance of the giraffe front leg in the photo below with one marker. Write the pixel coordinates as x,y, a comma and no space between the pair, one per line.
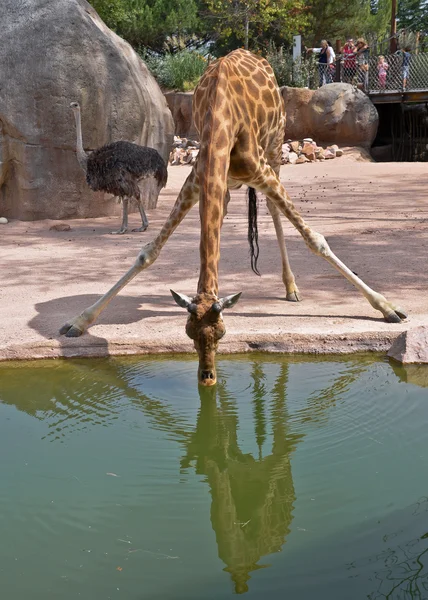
188,197
268,183
292,291
124,226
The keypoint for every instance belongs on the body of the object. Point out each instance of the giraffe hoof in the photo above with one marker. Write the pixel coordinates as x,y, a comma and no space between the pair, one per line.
119,232
293,297
70,330
396,316
141,228
401,313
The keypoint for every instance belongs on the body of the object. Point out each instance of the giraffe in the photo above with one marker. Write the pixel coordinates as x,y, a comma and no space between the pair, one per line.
239,113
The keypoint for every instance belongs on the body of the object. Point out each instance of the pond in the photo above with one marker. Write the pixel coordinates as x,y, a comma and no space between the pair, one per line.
295,478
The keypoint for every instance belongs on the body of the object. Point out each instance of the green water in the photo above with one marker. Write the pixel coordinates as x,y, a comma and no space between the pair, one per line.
299,479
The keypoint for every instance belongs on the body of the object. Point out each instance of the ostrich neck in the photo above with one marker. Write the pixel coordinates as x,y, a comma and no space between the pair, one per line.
82,157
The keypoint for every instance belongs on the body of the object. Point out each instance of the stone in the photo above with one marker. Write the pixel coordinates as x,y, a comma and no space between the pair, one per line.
302,159
292,158
411,347
180,105
52,53
339,152
295,146
60,227
308,150
331,150
337,113
328,154
3,221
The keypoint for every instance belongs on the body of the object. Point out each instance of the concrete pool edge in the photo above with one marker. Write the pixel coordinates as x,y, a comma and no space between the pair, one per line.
290,343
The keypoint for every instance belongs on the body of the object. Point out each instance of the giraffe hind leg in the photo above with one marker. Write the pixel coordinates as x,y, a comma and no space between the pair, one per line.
268,183
292,291
188,197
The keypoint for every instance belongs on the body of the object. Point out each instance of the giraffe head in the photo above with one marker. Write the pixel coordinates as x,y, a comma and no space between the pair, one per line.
205,326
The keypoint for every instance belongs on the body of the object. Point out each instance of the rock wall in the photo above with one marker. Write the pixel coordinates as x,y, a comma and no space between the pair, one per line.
336,113
51,53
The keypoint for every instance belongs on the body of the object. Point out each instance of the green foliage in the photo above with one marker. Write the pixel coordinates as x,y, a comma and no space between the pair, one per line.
179,71
299,73
413,14
252,23
147,23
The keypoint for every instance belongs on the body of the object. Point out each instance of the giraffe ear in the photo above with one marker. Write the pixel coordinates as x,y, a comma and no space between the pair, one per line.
183,301
226,302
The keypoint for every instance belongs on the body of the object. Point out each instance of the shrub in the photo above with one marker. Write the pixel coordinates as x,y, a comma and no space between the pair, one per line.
299,73
177,71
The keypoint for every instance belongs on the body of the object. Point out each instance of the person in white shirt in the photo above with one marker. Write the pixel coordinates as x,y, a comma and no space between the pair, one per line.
325,60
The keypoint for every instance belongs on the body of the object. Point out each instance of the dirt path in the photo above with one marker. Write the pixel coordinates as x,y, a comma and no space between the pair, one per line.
375,217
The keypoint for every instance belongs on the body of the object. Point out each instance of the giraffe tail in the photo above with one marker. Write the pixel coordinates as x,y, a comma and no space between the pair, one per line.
253,234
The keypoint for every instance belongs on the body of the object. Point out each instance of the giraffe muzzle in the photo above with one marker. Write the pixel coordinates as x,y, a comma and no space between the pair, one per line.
207,377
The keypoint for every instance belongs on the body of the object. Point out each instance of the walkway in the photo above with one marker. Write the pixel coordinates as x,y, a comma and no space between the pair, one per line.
375,216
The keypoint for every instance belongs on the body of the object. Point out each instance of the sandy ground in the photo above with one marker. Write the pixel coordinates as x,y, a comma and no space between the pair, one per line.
374,216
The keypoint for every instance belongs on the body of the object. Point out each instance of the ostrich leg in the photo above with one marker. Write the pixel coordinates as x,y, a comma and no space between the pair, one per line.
144,219
268,183
188,197
124,226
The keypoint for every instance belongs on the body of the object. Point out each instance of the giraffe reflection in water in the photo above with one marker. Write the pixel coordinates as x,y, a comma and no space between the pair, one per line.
252,498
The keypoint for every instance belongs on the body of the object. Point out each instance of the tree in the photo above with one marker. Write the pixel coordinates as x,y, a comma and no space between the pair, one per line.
148,22
253,22
413,14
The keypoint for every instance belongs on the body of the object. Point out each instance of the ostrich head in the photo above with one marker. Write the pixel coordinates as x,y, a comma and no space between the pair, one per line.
205,326
82,157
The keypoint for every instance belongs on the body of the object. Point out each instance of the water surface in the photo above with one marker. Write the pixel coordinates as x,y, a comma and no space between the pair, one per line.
293,478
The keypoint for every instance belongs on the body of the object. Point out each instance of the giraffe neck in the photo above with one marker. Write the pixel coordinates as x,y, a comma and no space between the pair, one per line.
213,167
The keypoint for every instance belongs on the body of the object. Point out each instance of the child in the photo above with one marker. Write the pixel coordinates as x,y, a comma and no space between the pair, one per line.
382,68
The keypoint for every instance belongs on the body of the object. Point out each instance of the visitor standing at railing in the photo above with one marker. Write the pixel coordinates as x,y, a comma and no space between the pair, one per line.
406,65
325,59
349,62
382,69
362,60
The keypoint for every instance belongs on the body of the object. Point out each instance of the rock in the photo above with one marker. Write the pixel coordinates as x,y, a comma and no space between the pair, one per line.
180,105
308,150
302,159
339,152
51,54
328,154
336,113
292,158
331,150
411,346
295,146
3,221
60,227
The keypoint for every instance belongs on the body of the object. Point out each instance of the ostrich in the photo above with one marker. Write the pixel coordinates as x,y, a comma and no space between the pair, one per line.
117,168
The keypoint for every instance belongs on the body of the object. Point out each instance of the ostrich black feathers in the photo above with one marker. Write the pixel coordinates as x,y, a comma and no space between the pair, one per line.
117,168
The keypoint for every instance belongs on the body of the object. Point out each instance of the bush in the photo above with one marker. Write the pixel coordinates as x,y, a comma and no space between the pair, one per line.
299,73
179,71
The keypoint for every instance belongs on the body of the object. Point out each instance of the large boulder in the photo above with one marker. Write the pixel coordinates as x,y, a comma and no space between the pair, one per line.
51,53
180,105
337,113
